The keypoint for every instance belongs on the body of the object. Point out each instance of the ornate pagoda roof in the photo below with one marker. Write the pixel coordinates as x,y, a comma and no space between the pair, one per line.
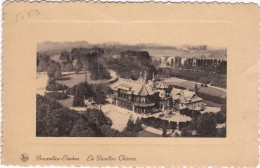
162,85
184,96
132,86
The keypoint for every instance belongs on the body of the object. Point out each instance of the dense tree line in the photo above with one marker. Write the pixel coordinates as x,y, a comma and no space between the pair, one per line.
91,59
53,120
204,126
130,63
207,65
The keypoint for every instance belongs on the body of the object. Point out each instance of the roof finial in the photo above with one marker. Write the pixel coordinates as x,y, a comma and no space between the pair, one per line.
145,77
153,77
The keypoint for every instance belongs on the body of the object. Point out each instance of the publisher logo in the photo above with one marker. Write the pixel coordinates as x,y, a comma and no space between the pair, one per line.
24,157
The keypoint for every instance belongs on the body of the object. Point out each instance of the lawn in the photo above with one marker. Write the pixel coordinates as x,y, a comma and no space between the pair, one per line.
67,102
119,116
148,134
74,79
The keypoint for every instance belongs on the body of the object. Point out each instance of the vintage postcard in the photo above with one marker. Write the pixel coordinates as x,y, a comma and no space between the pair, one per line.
130,84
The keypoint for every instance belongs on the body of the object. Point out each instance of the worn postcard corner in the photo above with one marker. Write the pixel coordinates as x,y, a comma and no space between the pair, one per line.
130,84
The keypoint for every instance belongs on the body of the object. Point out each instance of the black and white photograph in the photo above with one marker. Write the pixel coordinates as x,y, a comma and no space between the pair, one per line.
115,89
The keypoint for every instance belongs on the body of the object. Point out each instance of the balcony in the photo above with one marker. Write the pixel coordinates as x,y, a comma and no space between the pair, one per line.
144,104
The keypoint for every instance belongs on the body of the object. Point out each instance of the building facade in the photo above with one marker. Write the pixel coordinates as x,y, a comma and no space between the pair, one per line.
141,96
146,97
186,99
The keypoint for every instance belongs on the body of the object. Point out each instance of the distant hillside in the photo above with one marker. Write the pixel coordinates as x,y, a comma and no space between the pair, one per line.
49,45
154,49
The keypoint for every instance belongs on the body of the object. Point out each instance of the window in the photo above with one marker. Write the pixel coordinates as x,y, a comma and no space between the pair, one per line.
143,99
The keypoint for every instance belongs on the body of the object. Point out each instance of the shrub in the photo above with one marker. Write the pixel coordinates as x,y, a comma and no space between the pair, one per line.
73,90
53,120
78,67
97,117
130,125
221,132
63,78
56,87
54,70
81,91
56,95
67,67
220,117
138,125
176,134
206,125
81,129
135,127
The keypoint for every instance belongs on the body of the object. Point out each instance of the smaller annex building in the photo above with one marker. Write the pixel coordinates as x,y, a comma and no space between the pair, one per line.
186,99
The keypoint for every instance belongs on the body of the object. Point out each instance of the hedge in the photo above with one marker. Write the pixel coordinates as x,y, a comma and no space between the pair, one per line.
56,87
56,95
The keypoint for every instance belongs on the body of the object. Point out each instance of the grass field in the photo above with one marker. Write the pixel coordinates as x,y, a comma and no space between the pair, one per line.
66,102
75,79
214,95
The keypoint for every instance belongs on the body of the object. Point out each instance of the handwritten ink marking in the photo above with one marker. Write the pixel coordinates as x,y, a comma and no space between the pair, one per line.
22,16
33,12
19,16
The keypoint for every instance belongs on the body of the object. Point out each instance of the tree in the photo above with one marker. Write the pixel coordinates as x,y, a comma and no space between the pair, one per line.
221,132
220,117
78,67
164,134
138,125
43,61
51,70
83,90
108,132
206,125
81,129
187,131
52,119
130,125
42,66
67,66
97,117
100,99
57,73
78,98
54,70
65,56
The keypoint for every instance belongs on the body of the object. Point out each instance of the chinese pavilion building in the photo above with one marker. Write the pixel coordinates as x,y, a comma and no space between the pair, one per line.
141,96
